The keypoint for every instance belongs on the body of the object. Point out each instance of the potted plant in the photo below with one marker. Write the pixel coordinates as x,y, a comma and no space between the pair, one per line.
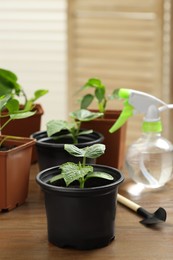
80,200
114,142
25,127
15,158
50,143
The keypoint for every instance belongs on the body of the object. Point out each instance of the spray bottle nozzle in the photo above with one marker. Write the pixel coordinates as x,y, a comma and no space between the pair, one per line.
123,93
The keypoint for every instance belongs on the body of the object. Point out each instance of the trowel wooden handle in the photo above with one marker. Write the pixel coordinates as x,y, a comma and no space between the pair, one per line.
128,203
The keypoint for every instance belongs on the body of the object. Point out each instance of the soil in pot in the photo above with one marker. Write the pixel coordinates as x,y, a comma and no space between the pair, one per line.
81,218
6,148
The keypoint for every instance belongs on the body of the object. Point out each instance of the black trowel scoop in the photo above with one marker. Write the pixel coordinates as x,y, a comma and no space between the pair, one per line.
149,218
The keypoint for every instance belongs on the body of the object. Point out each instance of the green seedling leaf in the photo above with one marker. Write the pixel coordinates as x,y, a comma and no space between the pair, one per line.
39,93
12,105
85,132
102,175
85,115
94,151
8,75
86,101
93,83
56,178
100,93
3,101
74,150
72,172
21,114
4,90
8,82
55,126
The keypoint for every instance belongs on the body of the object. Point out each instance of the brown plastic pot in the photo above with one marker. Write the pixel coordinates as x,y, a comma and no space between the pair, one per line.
24,127
115,143
14,172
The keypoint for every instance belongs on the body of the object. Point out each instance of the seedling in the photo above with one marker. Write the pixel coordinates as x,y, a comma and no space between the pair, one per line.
99,95
13,112
74,127
81,172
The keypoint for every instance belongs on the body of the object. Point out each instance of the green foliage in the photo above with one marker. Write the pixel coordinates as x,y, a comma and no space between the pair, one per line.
29,104
4,100
92,152
13,111
74,127
81,172
9,85
11,97
84,115
99,94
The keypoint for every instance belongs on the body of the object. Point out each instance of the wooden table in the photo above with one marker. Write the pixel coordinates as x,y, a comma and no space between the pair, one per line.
23,231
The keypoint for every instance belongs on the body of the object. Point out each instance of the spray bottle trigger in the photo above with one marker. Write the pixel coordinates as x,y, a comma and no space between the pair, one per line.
125,114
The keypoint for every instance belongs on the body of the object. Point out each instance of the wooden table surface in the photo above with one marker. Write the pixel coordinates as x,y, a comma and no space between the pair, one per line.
23,231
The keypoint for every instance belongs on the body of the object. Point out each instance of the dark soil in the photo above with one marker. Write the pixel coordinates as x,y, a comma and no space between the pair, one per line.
6,148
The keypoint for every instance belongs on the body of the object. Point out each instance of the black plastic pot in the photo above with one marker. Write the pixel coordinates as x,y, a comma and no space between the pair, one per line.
51,153
81,218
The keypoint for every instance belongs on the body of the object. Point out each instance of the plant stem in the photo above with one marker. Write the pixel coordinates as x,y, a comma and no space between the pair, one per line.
5,124
78,127
82,183
84,161
75,132
102,105
3,140
10,137
24,95
74,139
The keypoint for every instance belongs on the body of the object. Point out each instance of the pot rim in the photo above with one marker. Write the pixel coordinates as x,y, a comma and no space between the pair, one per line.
97,137
46,186
19,144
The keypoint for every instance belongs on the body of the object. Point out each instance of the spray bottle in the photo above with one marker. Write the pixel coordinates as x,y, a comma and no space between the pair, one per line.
149,160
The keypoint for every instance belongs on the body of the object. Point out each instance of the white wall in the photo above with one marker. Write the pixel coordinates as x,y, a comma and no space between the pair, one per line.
33,44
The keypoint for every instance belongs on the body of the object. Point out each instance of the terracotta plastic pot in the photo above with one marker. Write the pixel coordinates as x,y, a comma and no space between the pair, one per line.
81,218
51,153
14,173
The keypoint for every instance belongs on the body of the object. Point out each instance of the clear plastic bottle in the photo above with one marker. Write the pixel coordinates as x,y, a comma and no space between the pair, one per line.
149,160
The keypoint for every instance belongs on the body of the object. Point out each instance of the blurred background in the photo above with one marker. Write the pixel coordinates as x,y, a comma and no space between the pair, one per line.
60,44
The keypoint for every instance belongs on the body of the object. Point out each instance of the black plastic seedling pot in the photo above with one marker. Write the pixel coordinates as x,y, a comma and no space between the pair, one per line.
81,218
51,152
